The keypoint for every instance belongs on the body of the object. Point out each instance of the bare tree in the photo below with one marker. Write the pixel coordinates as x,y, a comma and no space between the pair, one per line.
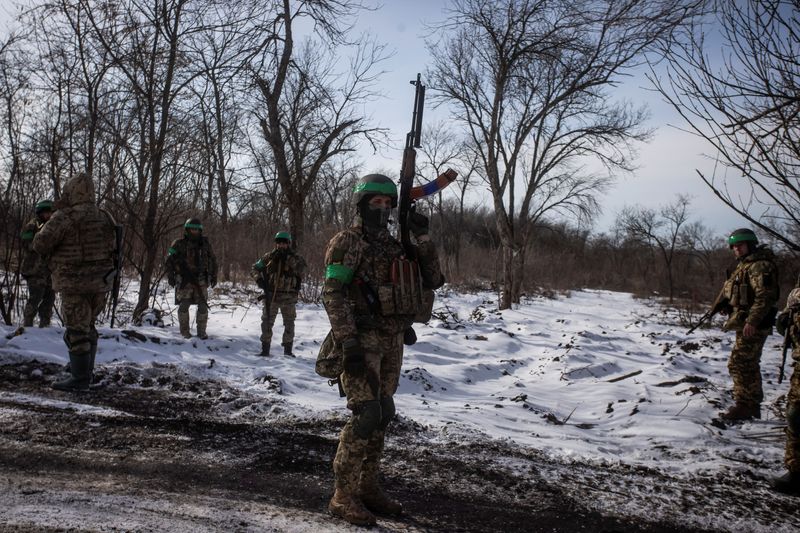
744,102
662,229
310,112
530,82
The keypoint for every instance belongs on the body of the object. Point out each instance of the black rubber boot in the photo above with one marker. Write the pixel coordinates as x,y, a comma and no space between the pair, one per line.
79,366
287,350
789,483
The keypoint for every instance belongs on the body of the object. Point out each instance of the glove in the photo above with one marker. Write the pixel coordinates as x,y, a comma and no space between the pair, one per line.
353,361
782,323
171,280
417,223
261,283
213,282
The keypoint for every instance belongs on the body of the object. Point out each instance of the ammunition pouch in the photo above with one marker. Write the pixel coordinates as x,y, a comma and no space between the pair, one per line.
405,294
329,359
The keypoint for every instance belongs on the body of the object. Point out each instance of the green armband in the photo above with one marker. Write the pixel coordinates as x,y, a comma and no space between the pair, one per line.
339,272
172,251
28,235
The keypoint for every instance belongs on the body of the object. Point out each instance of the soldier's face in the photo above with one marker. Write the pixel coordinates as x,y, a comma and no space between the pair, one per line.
194,232
740,249
381,201
281,245
45,215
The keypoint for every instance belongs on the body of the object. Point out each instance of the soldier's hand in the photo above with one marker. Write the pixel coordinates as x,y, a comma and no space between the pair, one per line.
353,360
418,224
213,282
749,330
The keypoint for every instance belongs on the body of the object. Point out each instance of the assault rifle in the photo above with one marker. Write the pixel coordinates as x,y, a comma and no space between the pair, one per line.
719,304
408,193
119,239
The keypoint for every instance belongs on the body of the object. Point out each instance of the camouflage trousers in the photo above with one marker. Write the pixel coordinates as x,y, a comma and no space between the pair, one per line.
187,296
792,457
745,370
41,298
357,463
286,303
80,311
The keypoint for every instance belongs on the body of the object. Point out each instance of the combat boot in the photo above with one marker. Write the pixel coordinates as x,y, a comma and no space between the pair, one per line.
183,323
345,505
378,502
287,349
264,350
741,411
92,355
789,483
79,367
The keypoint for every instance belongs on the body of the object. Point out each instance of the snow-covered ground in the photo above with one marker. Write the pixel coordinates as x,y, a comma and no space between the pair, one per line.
591,376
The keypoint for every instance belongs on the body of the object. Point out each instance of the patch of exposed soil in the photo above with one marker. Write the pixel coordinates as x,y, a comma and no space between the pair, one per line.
159,451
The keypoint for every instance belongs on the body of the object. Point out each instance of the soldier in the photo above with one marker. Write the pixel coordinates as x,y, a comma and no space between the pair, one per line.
279,273
78,243
751,293
34,269
366,291
788,324
191,267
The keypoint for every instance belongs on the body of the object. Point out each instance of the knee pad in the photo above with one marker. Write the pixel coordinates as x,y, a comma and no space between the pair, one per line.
793,417
77,340
387,412
366,418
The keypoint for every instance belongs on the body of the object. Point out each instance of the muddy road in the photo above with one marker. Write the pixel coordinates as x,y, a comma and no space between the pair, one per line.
144,453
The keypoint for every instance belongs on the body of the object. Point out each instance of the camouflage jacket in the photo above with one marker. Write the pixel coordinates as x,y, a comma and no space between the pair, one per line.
33,265
752,291
367,281
78,241
192,260
283,270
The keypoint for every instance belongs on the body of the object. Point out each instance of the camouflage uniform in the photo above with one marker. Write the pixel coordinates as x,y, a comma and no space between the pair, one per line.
191,266
279,273
752,293
789,324
362,266
79,242
41,295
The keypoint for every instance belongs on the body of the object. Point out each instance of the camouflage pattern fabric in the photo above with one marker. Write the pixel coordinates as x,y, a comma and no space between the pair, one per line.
286,304
41,298
191,261
192,264
33,265
752,291
187,296
80,311
792,453
358,457
78,241
279,272
359,261
360,294
744,368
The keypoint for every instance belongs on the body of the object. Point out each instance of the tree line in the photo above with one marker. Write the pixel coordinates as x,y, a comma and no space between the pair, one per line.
251,115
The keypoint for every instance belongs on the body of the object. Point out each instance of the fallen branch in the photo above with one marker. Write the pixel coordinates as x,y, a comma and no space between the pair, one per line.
626,376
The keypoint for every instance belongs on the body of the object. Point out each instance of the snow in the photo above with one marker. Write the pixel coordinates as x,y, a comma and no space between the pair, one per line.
591,376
